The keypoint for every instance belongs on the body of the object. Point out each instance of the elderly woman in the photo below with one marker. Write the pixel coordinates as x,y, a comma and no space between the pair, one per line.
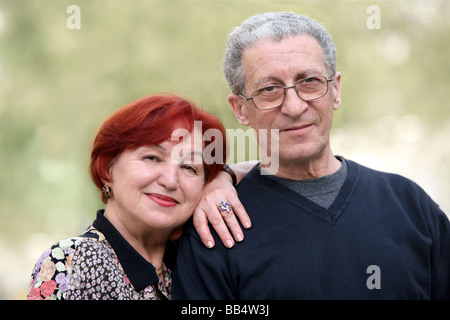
151,186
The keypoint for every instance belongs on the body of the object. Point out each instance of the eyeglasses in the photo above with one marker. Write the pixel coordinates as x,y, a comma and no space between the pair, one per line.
307,89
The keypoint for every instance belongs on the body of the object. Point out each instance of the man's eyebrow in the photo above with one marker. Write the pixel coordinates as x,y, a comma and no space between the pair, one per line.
308,73
263,81
300,75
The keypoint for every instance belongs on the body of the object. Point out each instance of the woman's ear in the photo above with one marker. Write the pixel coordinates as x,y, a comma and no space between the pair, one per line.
237,103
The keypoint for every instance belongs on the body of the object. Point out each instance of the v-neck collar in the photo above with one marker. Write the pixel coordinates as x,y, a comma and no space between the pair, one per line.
332,214
139,271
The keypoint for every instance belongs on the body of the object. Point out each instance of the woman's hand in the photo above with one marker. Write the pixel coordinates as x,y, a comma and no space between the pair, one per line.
221,188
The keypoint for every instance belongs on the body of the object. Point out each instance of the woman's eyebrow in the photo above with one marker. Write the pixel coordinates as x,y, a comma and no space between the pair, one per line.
197,156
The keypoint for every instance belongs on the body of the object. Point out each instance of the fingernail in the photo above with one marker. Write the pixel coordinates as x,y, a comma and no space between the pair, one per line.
209,244
248,225
229,243
239,237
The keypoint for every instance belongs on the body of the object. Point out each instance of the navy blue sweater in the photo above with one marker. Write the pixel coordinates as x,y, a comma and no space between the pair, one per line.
382,238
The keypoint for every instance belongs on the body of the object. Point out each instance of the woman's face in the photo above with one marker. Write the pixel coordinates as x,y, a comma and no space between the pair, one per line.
152,189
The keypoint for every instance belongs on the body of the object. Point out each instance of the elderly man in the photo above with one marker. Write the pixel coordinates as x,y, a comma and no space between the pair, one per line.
323,227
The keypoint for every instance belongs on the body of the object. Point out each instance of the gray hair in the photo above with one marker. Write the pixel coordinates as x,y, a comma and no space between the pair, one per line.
275,26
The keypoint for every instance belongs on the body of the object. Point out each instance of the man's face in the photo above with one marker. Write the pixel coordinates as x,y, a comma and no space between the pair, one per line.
304,127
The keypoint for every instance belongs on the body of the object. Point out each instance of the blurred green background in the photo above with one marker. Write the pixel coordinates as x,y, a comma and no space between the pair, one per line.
58,85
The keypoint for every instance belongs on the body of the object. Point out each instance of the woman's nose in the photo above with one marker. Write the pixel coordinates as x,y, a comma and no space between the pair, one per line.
168,176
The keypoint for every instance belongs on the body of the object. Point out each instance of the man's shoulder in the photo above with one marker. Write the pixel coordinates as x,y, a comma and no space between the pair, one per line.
252,181
390,184
191,242
381,176
189,229
190,235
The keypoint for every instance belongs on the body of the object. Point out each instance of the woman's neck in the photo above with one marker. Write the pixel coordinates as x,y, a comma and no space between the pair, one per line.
150,244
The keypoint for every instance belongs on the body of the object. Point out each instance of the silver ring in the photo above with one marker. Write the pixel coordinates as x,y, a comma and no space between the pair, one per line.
225,206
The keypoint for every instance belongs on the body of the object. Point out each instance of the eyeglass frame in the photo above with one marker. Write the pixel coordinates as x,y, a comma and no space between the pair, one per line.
284,92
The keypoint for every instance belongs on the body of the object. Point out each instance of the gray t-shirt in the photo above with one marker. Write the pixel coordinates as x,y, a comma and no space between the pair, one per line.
321,191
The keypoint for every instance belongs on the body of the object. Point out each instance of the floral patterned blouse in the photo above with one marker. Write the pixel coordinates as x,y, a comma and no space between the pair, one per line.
99,264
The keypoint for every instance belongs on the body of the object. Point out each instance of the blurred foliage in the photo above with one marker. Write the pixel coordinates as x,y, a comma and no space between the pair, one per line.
57,85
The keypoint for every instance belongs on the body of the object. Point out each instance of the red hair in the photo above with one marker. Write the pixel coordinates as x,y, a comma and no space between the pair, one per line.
148,121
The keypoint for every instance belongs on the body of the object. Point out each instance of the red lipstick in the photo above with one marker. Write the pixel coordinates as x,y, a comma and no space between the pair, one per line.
162,200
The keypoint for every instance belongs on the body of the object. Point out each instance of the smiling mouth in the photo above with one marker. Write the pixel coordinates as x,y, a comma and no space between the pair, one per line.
299,129
162,200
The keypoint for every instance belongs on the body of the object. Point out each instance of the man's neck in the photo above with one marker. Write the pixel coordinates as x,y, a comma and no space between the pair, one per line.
307,169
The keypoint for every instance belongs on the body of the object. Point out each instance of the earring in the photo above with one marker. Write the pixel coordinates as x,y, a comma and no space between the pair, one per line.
106,191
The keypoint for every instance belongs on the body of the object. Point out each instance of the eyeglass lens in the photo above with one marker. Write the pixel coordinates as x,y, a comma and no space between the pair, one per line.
311,88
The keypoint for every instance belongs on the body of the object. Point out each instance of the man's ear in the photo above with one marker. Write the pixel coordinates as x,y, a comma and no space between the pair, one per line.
337,91
237,103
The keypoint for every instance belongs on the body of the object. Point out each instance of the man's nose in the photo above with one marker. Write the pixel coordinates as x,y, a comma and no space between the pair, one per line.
293,106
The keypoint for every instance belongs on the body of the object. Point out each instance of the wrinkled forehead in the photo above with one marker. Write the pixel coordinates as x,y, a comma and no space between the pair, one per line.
287,58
